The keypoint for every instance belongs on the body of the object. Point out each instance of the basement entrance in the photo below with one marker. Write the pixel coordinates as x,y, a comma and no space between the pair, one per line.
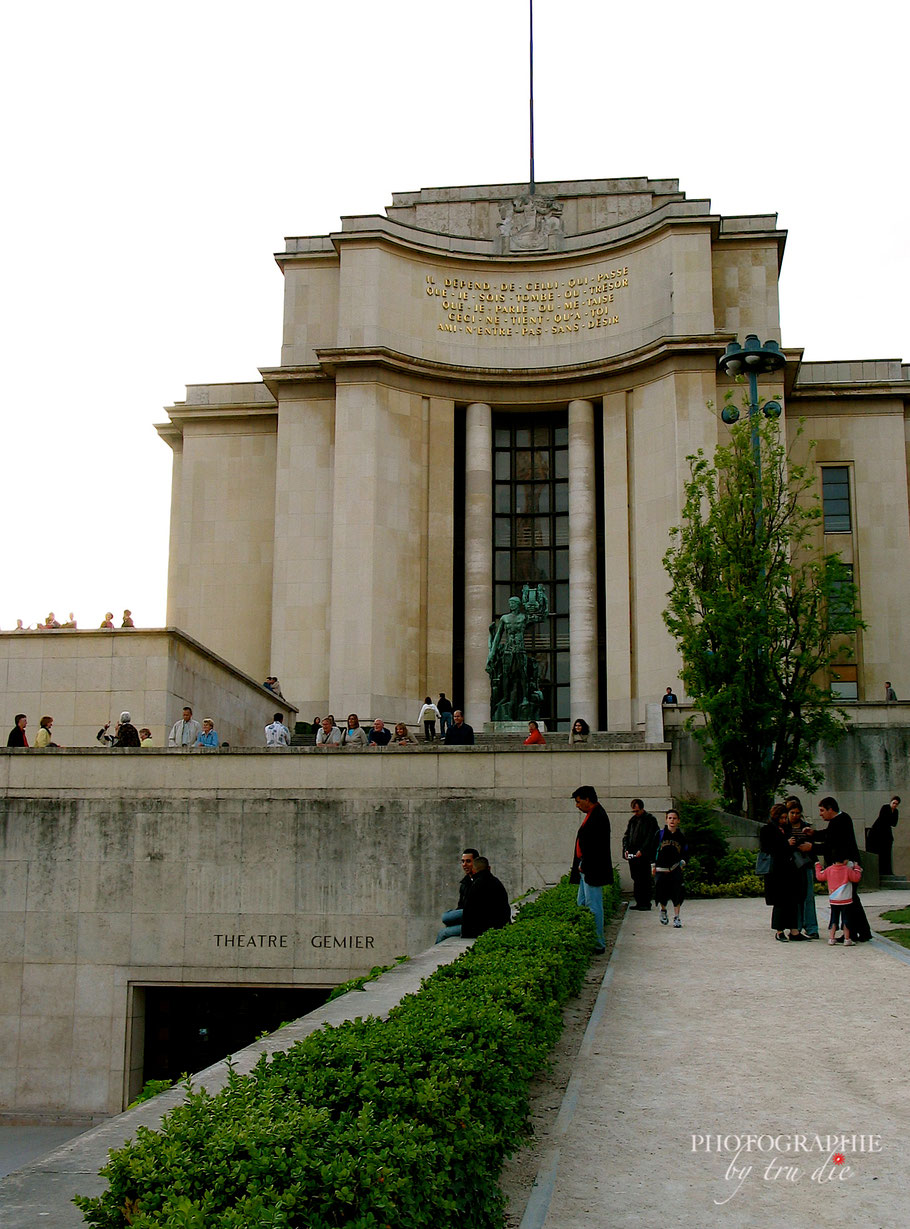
187,1028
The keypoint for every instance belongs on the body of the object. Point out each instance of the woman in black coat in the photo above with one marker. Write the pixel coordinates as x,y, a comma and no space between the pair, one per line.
783,883
881,835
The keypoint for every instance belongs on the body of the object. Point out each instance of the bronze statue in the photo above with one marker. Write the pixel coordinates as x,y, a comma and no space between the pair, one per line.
515,693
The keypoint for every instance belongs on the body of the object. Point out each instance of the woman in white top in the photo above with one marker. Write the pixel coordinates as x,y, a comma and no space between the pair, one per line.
429,715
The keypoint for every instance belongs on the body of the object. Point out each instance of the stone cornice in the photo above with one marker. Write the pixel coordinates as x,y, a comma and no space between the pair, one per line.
355,363
375,229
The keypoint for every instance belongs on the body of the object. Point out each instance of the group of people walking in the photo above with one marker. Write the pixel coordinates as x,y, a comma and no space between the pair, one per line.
657,859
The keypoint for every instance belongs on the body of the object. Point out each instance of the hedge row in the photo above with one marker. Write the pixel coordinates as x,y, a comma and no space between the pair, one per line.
374,1124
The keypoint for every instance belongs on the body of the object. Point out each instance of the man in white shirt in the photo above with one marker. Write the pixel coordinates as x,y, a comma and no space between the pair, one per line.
277,734
329,735
185,731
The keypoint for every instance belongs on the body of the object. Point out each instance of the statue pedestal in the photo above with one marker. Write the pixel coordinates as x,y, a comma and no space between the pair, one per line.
511,727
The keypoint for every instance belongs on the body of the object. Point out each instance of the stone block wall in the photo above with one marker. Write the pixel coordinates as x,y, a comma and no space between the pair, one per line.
862,771
293,867
84,678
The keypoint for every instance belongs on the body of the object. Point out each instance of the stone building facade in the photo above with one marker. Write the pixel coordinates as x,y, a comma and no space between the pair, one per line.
484,388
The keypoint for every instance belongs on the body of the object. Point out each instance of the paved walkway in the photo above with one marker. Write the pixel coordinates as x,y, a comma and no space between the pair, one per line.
718,1030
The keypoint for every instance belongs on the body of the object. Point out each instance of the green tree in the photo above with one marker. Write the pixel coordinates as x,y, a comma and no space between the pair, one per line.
759,614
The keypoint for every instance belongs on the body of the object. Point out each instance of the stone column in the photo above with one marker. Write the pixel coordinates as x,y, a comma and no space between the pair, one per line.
618,562
582,564
478,560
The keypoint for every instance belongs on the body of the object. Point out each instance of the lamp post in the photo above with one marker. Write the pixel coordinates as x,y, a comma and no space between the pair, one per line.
754,359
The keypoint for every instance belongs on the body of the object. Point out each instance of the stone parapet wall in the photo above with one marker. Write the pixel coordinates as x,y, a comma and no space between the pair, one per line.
84,678
125,870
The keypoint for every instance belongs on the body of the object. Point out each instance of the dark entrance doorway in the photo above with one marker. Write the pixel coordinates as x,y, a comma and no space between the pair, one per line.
187,1028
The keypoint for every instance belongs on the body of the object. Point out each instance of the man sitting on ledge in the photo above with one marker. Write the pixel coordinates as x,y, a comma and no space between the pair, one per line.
451,919
486,905
460,734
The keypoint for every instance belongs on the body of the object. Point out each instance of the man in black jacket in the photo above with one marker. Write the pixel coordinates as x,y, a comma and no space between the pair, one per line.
460,734
451,919
838,844
592,863
486,905
639,844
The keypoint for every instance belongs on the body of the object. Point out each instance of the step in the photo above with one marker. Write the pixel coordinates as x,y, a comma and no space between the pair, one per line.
897,883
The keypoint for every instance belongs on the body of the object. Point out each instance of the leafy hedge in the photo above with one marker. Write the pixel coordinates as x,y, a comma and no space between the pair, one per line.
393,1124
734,875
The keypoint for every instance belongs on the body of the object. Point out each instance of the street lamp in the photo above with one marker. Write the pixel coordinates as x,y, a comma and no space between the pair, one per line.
753,359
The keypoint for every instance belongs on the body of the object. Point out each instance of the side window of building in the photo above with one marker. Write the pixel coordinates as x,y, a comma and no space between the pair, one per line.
836,499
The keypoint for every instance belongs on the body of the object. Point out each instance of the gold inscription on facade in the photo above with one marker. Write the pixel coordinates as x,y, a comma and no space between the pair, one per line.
548,308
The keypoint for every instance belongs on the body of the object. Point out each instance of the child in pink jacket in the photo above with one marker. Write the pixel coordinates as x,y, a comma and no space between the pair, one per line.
840,877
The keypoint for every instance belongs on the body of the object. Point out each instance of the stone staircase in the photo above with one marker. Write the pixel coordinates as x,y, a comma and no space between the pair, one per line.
304,736
897,883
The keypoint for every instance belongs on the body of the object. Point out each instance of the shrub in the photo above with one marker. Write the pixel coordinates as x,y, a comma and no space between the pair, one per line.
151,1088
705,836
402,1123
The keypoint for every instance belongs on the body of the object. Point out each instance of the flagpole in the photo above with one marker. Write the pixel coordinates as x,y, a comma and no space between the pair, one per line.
531,26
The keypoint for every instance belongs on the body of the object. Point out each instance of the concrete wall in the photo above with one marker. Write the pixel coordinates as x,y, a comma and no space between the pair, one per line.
84,678
249,868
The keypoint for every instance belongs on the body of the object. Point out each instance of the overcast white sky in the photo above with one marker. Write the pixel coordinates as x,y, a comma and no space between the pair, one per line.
155,156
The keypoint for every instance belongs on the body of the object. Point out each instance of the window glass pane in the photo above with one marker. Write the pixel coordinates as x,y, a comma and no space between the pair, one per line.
501,596
561,604
502,437
524,462
844,691
560,436
532,497
503,559
543,661
562,564
541,464
561,495
524,530
501,462
524,565
542,436
562,632
561,463
502,531
502,497
541,565
532,531
561,530
836,498
522,438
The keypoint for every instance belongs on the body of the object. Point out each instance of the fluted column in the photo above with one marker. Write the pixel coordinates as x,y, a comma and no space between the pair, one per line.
582,564
478,560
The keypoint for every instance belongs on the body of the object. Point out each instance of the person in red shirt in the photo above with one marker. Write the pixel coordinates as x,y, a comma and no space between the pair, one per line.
535,738
592,865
